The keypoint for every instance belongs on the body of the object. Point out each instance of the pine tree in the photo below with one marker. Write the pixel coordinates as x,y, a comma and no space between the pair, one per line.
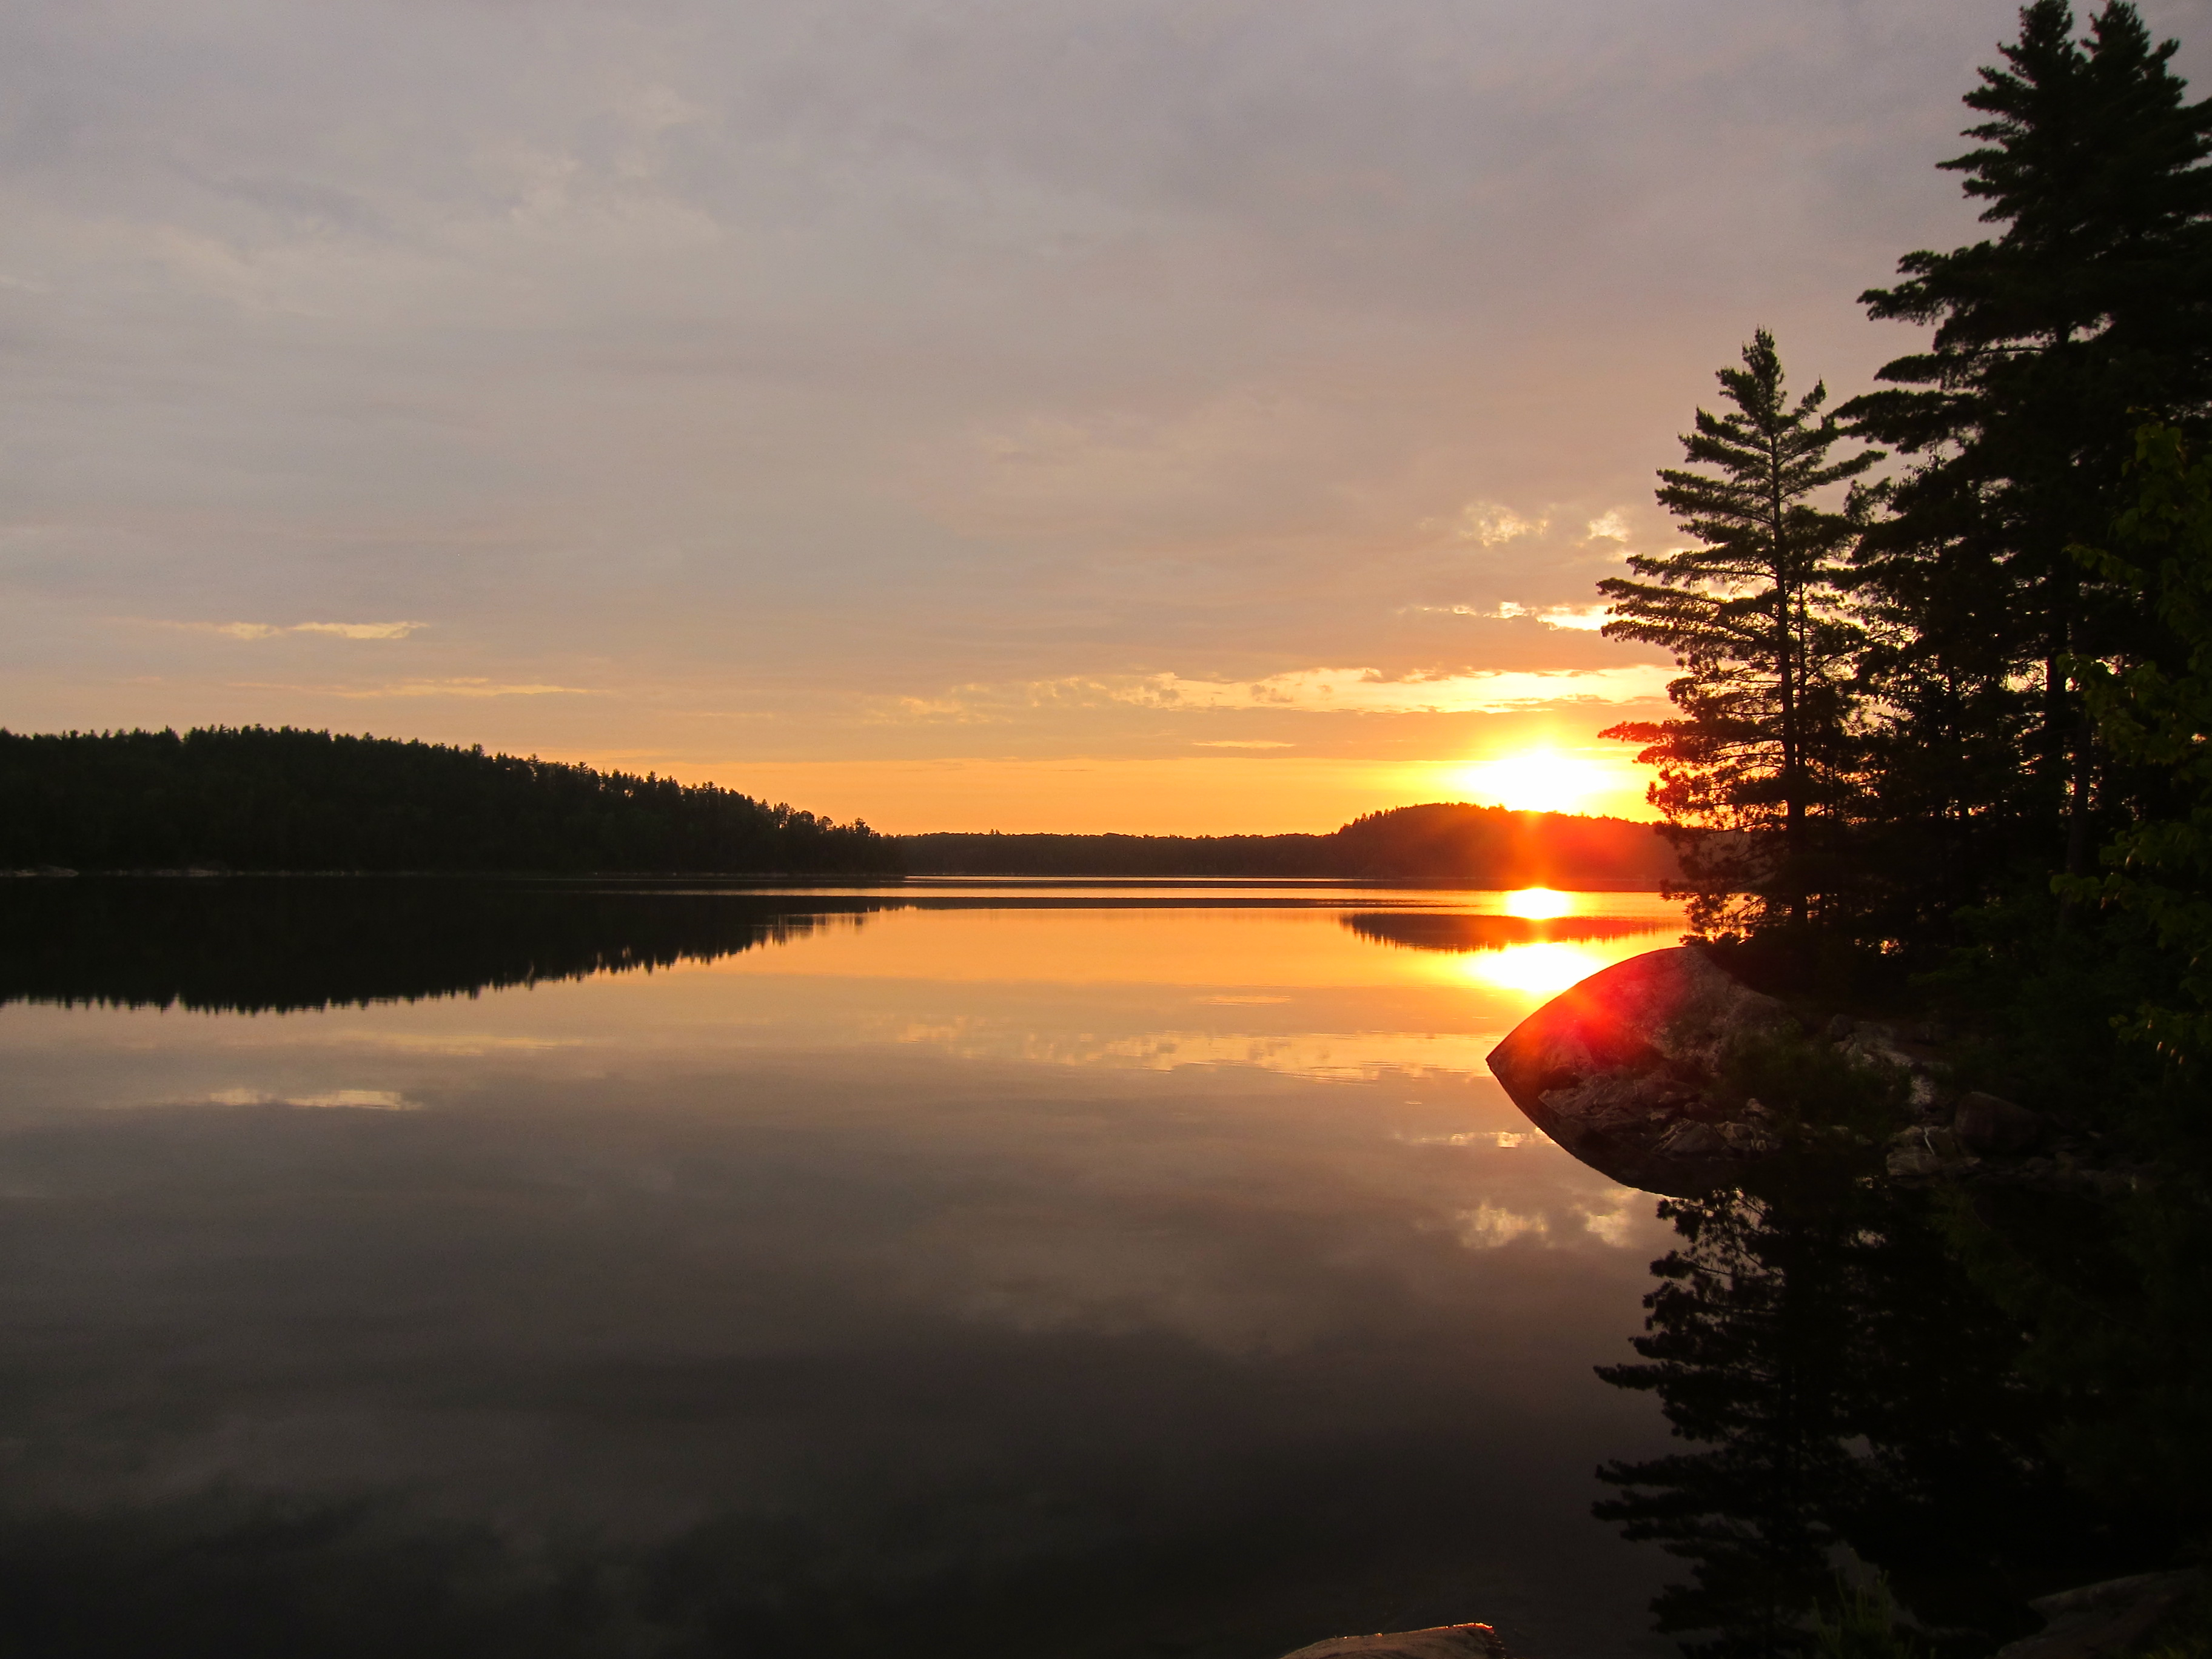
1753,612
2094,302
2159,715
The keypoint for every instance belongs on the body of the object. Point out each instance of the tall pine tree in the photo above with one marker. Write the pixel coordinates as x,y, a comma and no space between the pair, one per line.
2091,309
1752,611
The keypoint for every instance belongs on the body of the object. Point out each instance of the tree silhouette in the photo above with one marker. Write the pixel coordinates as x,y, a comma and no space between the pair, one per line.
1754,611
2052,341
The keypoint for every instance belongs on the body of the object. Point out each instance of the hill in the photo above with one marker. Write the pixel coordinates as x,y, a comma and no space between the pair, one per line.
255,798
1488,845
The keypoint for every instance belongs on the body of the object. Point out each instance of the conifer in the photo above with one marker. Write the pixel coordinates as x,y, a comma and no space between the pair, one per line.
1751,610
2091,310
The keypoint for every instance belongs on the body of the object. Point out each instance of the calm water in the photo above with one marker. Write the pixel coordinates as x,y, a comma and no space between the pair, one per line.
1015,1269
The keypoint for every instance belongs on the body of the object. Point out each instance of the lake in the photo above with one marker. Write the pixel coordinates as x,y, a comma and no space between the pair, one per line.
995,1268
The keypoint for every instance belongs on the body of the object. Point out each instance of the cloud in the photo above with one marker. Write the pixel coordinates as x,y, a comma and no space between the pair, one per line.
1487,1226
359,1100
1580,618
386,630
465,686
1306,690
1576,618
247,630
1369,691
1487,523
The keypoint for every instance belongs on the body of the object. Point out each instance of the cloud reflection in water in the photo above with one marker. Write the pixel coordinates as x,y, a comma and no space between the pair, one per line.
787,1272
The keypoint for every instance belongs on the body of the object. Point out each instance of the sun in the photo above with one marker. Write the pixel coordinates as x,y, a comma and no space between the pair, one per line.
1539,781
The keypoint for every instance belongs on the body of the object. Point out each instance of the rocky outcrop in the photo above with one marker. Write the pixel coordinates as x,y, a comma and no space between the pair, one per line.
1624,1070
2102,1621
1618,1070
1442,1642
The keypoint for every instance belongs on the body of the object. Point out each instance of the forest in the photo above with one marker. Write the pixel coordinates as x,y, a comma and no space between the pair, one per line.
253,799
1944,686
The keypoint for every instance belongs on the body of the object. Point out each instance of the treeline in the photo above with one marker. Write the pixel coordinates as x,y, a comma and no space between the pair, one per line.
1487,845
251,797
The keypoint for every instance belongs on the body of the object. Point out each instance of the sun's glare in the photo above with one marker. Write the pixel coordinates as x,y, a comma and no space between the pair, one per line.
1537,903
1538,780
1538,972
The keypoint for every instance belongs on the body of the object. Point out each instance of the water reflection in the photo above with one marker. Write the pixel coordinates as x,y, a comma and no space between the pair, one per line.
1423,930
1852,1394
922,1271
283,945
1539,971
1537,944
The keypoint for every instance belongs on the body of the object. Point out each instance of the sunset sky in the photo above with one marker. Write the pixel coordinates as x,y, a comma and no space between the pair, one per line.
1141,415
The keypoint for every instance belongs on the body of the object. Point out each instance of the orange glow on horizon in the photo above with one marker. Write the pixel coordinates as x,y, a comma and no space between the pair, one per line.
1191,795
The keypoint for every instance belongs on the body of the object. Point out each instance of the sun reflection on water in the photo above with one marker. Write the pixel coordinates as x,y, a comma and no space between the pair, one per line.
1537,903
1534,970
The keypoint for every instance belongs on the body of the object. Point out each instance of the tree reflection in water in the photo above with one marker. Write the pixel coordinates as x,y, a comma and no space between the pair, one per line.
1855,1400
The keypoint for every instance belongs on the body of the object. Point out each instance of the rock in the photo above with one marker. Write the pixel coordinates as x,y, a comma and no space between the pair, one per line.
2101,1621
1442,1642
1748,1138
1926,1152
1876,1045
1986,1124
1692,1140
1910,1161
1606,1067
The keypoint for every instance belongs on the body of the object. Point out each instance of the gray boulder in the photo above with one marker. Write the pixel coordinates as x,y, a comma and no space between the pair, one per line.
1618,1068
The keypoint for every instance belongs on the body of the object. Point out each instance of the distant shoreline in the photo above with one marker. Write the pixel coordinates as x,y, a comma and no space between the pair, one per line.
225,800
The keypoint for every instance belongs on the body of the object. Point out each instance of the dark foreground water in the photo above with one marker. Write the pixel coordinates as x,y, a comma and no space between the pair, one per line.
1024,1270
